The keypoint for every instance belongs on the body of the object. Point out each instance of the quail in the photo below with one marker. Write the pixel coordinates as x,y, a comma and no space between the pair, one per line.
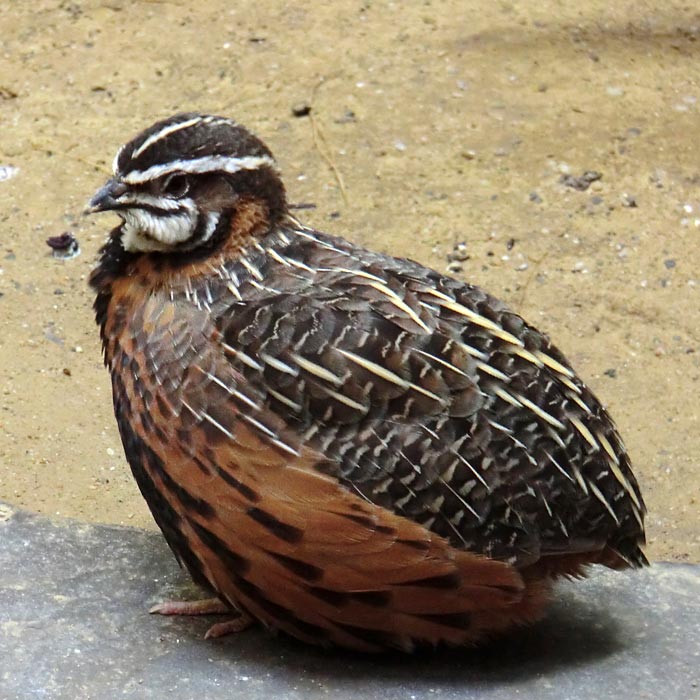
345,446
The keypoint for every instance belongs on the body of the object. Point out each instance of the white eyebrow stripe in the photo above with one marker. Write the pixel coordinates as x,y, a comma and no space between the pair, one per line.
206,164
165,131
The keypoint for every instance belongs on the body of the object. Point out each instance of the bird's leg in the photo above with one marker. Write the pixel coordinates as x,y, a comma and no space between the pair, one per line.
208,606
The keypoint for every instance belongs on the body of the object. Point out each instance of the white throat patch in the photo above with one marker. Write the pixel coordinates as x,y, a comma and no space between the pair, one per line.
144,232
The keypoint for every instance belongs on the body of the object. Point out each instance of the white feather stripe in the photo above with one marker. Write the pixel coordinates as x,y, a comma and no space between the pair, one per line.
373,367
399,304
317,370
475,318
541,413
558,367
195,166
585,432
597,493
165,131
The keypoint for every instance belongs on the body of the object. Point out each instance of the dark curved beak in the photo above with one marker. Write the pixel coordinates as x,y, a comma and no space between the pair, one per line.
107,197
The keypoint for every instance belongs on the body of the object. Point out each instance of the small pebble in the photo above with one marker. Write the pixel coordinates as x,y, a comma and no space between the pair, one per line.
7,172
301,109
612,373
65,246
459,252
454,267
348,117
629,201
582,182
669,264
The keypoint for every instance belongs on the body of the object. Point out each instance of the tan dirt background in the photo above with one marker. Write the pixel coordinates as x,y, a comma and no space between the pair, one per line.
447,121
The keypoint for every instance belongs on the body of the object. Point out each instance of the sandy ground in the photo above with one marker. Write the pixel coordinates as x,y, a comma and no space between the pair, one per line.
446,122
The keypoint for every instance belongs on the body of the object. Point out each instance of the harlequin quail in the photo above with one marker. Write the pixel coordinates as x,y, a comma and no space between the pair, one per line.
346,446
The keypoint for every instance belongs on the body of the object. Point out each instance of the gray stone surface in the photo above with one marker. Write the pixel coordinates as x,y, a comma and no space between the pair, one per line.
73,625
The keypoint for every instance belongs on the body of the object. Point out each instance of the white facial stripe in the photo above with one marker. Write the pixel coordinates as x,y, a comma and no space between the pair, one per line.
206,164
145,199
165,131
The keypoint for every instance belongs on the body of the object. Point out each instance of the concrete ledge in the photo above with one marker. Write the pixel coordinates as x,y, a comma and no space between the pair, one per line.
74,625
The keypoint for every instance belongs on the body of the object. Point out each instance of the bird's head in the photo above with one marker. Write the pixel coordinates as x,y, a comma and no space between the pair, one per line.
179,184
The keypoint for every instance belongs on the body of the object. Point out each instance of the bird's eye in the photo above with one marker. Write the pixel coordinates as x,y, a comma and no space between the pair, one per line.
176,186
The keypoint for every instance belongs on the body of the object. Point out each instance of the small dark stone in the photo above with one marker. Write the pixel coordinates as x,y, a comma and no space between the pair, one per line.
612,373
301,109
303,205
669,264
534,197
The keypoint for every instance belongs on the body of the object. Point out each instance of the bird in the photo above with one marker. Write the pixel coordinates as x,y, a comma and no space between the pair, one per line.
348,447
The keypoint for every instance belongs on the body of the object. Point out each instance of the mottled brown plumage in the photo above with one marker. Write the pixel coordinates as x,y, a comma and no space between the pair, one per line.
346,446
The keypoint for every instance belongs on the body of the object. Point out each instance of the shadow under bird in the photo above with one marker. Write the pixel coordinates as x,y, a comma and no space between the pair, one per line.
339,444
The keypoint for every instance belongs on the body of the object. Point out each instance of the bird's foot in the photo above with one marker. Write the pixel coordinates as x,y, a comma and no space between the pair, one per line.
208,606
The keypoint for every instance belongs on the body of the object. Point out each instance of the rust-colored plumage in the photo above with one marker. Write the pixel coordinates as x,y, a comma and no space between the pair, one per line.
343,445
